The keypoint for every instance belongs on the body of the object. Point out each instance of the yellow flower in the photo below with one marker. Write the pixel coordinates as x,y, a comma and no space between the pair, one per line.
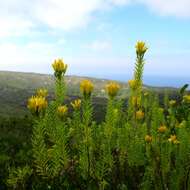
186,98
181,125
145,94
62,111
37,104
112,89
161,110
133,84
141,48
59,67
42,92
86,87
176,142
115,112
76,104
148,138
162,129
139,114
173,139
172,102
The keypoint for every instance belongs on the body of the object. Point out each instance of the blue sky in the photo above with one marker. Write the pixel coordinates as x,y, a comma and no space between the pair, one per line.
95,37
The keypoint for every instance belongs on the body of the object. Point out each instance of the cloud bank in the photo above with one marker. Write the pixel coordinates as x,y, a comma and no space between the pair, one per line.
18,17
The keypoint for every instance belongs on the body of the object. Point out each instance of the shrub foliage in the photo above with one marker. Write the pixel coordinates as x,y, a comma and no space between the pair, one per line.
141,145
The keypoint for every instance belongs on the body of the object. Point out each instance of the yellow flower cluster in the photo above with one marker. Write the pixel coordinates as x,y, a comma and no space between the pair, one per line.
173,139
162,129
112,89
36,104
148,138
141,48
42,92
181,125
59,67
161,110
186,98
133,84
62,111
172,102
139,115
76,104
146,94
86,87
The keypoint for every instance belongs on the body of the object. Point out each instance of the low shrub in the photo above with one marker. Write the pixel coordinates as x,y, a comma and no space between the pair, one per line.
141,146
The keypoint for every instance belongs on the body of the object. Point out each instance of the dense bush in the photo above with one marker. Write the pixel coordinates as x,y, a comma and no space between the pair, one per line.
144,146
15,145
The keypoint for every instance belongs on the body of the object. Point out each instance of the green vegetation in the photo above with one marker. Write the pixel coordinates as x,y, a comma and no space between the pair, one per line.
15,88
15,145
139,145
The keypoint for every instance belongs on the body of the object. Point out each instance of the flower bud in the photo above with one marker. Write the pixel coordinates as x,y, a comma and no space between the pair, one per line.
173,139
37,104
186,98
42,92
112,89
172,102
133,84
59,68
139,115
62,111
148,138
141,48
162,129
86,87
76,104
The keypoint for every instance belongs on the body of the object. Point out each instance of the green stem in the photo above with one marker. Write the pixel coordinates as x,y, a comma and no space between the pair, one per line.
60,90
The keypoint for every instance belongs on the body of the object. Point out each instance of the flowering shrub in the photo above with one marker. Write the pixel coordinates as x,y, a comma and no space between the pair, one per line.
138,146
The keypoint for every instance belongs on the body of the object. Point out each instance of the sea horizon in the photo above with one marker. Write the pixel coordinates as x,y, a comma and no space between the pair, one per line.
149,80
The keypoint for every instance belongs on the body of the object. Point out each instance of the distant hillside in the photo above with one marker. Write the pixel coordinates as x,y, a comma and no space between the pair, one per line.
16,87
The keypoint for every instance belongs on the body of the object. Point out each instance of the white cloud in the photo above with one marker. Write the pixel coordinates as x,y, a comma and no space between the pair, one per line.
18,17
14,27
33,56
23,17
37,57
120,2
178,8
65,14
99,45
